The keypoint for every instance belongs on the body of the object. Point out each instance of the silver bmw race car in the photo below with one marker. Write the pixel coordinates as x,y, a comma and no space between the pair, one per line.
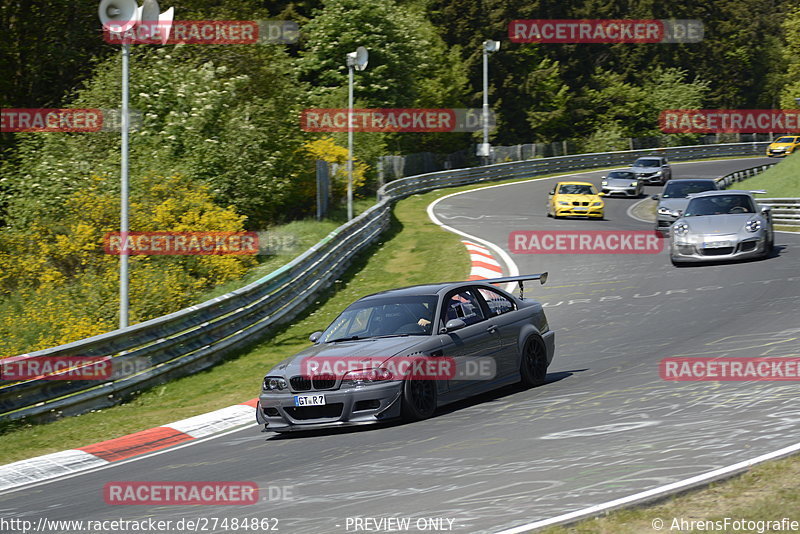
722,225
405,352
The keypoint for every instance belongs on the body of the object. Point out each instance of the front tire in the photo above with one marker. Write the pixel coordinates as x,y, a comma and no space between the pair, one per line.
533,364
419,400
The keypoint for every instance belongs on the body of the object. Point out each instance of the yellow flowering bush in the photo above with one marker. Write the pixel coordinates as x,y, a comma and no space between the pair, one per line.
327,150
58,285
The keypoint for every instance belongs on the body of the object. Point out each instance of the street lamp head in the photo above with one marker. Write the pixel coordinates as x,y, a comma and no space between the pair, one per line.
491,46
358,59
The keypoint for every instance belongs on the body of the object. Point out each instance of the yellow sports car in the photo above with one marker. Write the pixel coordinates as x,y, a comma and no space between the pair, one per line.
783,146
575,199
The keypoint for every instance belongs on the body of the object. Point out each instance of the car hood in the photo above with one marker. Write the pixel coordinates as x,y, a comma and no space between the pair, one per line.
781,145
718,224
578,198
371,350
673,204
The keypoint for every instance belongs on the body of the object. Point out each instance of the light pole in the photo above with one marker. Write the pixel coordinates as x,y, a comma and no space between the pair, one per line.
484,149
124,16
355,61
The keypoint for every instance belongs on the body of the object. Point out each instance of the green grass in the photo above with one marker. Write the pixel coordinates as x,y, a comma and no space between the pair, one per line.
781,181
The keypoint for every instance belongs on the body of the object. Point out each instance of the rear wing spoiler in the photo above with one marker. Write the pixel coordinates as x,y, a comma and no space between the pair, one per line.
542,277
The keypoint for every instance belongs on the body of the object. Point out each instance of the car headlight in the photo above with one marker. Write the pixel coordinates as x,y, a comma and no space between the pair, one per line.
562,203
597,203
657,173
604,182
274,383
363,377
634,184
666,211
753,225
680,229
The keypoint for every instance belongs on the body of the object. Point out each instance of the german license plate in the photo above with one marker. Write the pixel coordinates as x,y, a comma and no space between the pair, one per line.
580,209
717,244
309,400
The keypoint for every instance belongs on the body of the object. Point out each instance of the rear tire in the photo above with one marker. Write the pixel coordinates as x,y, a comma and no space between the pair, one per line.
533,364
419,400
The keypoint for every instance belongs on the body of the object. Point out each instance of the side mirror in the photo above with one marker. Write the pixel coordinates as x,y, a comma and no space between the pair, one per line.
553,192
453,325
766,209
654,197
315,337
601,194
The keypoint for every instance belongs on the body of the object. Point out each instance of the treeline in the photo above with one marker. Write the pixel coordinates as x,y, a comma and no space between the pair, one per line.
220,123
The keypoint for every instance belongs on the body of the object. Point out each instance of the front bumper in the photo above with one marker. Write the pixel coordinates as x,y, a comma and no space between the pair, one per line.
650,178
343,407
777,152
579,211
694,251
631,191
664,223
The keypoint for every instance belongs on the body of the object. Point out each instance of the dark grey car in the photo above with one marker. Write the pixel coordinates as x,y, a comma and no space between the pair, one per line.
405,352
652,170
675,197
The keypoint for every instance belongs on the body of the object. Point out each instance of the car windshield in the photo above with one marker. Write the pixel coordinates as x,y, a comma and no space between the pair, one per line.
576,189
380,317
647,163
622,175
683,189
784,140
719,205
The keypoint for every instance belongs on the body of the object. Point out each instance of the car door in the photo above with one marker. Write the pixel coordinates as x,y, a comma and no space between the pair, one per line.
467,346
499,310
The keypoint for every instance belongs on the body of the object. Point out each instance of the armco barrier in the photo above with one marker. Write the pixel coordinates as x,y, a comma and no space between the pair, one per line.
197,337
785,211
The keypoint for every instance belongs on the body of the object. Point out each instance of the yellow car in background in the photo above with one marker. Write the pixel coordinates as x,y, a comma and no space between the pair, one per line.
783,146
575,199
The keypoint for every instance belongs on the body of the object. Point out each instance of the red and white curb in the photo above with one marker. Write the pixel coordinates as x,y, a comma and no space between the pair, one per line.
483,264
72,461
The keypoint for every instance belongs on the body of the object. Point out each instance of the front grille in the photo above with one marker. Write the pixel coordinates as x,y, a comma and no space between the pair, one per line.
300,383
329,411
723,251
576,203
323,382
747,246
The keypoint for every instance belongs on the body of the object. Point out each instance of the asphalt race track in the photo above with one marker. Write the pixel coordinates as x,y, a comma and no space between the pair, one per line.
604,426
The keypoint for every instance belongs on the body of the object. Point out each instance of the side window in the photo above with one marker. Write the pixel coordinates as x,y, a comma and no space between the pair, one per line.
498,304
463,305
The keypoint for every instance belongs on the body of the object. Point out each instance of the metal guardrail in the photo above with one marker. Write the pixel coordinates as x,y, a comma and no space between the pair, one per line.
785,211
197,337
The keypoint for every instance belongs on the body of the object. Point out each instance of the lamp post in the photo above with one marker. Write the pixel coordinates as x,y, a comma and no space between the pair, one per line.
484,149
355,61
124,16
